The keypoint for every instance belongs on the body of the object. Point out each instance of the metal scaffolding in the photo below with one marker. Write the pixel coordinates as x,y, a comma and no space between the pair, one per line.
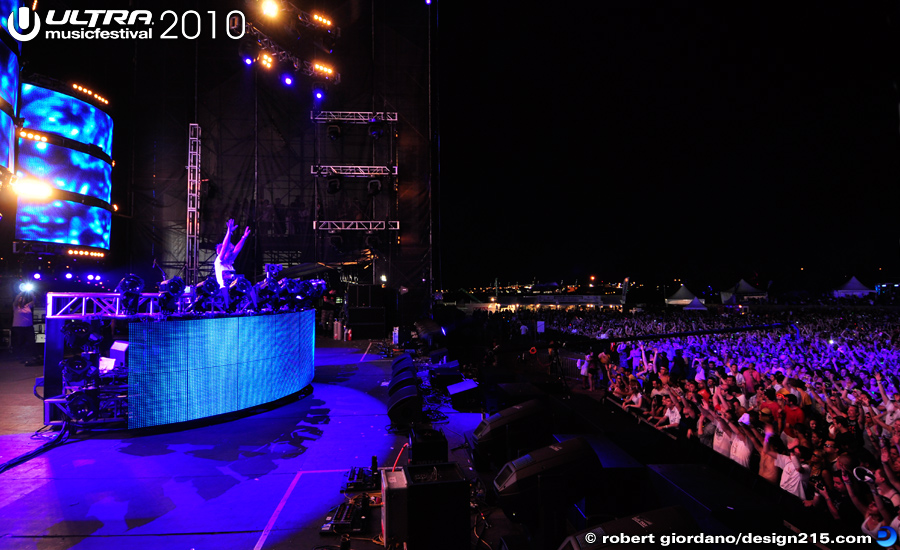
192,249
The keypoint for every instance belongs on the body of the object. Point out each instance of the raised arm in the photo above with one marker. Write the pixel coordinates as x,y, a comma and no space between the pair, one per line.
230,226
240,244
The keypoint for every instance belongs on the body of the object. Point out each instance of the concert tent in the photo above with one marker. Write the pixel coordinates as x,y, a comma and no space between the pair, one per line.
695,305
682,297
741,292
852,288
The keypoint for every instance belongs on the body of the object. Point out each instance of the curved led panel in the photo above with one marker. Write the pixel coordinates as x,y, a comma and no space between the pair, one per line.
9,76
63,222
6,8
191,369
65,169
50,111
6,130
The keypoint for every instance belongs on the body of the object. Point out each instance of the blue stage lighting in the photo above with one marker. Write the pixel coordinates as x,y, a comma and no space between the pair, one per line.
68,275
37,276
287,80
248,61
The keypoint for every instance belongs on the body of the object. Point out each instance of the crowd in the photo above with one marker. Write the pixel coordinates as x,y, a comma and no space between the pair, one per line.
814,408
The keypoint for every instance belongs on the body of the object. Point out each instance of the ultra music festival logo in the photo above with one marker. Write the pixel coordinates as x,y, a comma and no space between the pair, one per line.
25,25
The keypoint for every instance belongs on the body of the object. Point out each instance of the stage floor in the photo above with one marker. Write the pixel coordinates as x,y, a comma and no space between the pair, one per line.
263,481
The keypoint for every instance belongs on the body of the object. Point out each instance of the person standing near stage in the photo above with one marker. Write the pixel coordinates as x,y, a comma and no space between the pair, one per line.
23,325
226,253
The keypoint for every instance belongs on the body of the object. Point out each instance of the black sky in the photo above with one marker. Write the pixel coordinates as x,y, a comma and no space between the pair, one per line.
708,144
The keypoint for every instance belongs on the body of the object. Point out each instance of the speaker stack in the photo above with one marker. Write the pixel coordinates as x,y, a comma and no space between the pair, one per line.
404,397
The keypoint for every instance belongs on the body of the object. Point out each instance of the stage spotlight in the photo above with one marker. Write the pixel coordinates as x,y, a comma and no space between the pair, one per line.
206,292
334,185
248,52
169,292
75,370
83,405
26,287
287,79
76,333
37,276
268,293
266,60
129,289
334,131
270,8
241,295
374,187
68,275
376,128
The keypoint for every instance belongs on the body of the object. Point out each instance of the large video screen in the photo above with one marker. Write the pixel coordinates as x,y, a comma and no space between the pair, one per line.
191,369
65,169
9,75
6,131
6,8
49,111
63,222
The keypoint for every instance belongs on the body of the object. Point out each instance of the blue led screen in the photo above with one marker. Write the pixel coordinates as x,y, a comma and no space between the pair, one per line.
63,222
181,370
9,75
6,8
65,169
49,111
6,131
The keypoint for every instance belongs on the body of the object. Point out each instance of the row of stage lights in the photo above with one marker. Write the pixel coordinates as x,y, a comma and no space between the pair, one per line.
239,297
90,93
89,253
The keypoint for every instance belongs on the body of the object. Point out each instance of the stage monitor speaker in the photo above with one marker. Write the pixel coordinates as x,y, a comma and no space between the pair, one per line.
425,507
402,380
441,377
427,446
401,361
665,521
573,459
466,396
405,406
497,425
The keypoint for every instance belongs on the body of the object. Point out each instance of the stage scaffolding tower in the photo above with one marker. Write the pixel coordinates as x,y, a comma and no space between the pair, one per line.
192,249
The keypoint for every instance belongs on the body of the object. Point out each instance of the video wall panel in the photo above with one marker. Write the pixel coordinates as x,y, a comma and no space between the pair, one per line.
74,171
46,110
65,169
182,370
9,76
63,222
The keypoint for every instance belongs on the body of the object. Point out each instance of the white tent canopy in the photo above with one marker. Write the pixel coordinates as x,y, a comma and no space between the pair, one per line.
682,297
852,288
695,304
742,291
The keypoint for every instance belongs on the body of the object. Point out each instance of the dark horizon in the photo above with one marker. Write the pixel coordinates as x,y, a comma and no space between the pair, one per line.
663,143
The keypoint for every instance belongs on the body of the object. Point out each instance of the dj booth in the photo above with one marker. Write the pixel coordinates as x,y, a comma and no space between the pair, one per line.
102,365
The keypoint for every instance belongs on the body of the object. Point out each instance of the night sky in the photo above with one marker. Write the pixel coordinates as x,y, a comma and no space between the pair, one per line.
706,144
702,143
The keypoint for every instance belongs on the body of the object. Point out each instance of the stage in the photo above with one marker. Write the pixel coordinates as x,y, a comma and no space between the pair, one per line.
266,480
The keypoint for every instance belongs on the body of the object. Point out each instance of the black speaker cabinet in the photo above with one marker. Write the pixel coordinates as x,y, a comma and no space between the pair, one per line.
405,406
466,396
438,507
660,522
427,446
401,381
441,377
